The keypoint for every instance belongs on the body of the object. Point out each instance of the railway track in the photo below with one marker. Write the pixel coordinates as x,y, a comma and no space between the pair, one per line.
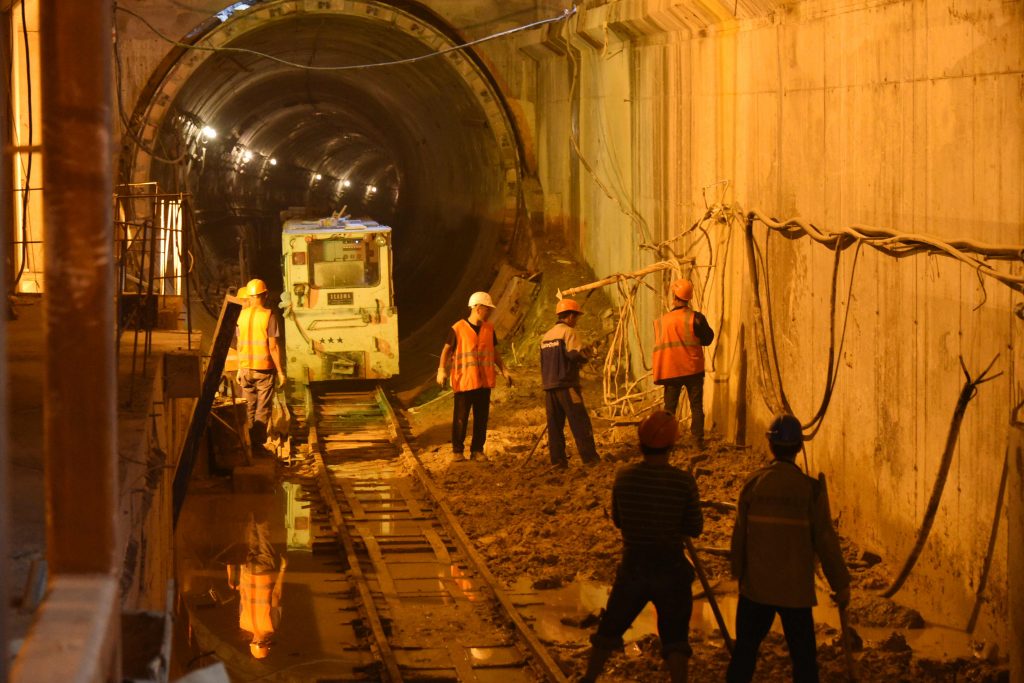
429,609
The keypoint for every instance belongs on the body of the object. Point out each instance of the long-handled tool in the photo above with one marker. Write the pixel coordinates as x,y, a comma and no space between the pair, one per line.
851,665
702,575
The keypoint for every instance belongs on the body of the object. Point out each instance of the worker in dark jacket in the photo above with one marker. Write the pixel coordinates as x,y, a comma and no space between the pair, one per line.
655,506
679,338
560,359
782,524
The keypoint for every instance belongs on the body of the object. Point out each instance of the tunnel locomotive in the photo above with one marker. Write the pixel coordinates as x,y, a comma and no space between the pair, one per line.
340,319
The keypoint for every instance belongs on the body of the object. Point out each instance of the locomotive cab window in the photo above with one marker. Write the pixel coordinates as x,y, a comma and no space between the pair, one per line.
344,262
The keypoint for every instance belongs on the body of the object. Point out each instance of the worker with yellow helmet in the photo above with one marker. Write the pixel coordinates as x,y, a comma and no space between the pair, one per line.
259,360
561,356
678,363
472,350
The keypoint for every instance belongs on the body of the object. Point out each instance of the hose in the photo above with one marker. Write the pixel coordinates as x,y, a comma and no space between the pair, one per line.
969,391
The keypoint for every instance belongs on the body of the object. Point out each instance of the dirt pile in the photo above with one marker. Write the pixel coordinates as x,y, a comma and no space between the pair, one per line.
554,527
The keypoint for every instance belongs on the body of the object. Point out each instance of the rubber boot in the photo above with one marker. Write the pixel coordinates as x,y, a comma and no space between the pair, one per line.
595,665
678,667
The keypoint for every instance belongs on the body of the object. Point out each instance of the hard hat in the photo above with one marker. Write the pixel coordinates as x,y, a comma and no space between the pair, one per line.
568,305
785,430
481,298
255,287
659,430
259,650
682,289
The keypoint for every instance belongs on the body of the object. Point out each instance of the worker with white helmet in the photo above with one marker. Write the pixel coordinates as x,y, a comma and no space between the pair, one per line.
679,338
472,349
561,356
259,360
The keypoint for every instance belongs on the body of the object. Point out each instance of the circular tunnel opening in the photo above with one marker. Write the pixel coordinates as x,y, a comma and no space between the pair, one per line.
426,147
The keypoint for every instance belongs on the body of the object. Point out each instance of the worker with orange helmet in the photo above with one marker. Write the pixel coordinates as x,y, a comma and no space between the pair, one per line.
259,582
472,349
561,356
259,360
783,529
656,507
679,338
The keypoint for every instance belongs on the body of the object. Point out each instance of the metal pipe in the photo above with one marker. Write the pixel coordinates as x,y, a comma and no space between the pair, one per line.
80,387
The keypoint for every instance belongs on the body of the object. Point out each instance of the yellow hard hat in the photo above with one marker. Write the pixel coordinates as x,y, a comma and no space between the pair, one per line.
255,287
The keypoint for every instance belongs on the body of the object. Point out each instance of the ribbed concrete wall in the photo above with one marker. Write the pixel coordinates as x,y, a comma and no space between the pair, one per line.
901,114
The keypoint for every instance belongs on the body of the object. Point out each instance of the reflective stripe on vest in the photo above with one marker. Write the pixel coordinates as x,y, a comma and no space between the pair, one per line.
255,591
253,343
473,357
677,350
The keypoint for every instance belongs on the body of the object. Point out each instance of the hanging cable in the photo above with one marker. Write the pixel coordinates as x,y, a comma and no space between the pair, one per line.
565,14
28,164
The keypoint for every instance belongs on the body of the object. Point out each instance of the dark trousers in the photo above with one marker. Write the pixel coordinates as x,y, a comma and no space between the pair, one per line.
479,400
753,621
694,385
568,403
667,585
258,390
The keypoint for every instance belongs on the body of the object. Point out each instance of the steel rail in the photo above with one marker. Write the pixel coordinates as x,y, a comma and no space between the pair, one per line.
391,671
550,668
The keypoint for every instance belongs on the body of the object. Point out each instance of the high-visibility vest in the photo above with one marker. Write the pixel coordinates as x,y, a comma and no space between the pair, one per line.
473,357
253,343
256,593
677,350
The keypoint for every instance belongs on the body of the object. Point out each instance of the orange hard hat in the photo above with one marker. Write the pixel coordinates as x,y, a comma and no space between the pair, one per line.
659,430
567,305
682,289
255,287
259,650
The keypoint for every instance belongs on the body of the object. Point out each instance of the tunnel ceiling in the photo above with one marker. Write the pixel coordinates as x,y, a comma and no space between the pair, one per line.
433,137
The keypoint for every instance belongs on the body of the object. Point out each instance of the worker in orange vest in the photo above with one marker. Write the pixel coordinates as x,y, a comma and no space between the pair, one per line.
259,589
472,349
259,360
679,338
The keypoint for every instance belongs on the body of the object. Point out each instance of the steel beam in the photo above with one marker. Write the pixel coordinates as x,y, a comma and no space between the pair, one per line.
80,386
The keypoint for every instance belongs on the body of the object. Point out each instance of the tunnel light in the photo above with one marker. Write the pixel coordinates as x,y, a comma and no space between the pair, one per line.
273,161
371,189
246,156
346,183
208,132
318,177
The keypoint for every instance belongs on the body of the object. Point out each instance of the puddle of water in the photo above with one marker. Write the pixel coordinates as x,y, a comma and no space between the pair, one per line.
576,600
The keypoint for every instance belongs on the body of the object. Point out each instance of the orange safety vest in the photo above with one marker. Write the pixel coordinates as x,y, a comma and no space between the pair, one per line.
677,350
473,357
256,593
253,343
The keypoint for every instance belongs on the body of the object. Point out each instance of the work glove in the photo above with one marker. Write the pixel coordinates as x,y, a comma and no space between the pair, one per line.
508,377
238,377
441,376
842,596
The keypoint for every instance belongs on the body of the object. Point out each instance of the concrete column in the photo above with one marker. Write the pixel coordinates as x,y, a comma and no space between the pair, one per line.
80,413
1014,554
5,225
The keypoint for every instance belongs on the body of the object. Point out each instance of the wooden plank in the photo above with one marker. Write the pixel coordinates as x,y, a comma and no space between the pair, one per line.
387,583
226,322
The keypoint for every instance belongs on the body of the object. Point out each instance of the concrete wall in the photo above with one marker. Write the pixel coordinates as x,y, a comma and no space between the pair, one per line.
903,114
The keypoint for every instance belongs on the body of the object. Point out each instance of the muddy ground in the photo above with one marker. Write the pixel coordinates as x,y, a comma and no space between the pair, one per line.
554,527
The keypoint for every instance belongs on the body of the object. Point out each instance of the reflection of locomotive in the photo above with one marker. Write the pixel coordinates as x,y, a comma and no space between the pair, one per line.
340,319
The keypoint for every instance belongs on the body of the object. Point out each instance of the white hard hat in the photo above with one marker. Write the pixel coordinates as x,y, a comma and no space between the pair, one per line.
481,298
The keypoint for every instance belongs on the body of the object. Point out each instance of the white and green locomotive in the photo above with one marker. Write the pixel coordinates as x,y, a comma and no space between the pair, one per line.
338,305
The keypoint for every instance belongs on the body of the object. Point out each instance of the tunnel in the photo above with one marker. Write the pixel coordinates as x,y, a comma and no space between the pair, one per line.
423,143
